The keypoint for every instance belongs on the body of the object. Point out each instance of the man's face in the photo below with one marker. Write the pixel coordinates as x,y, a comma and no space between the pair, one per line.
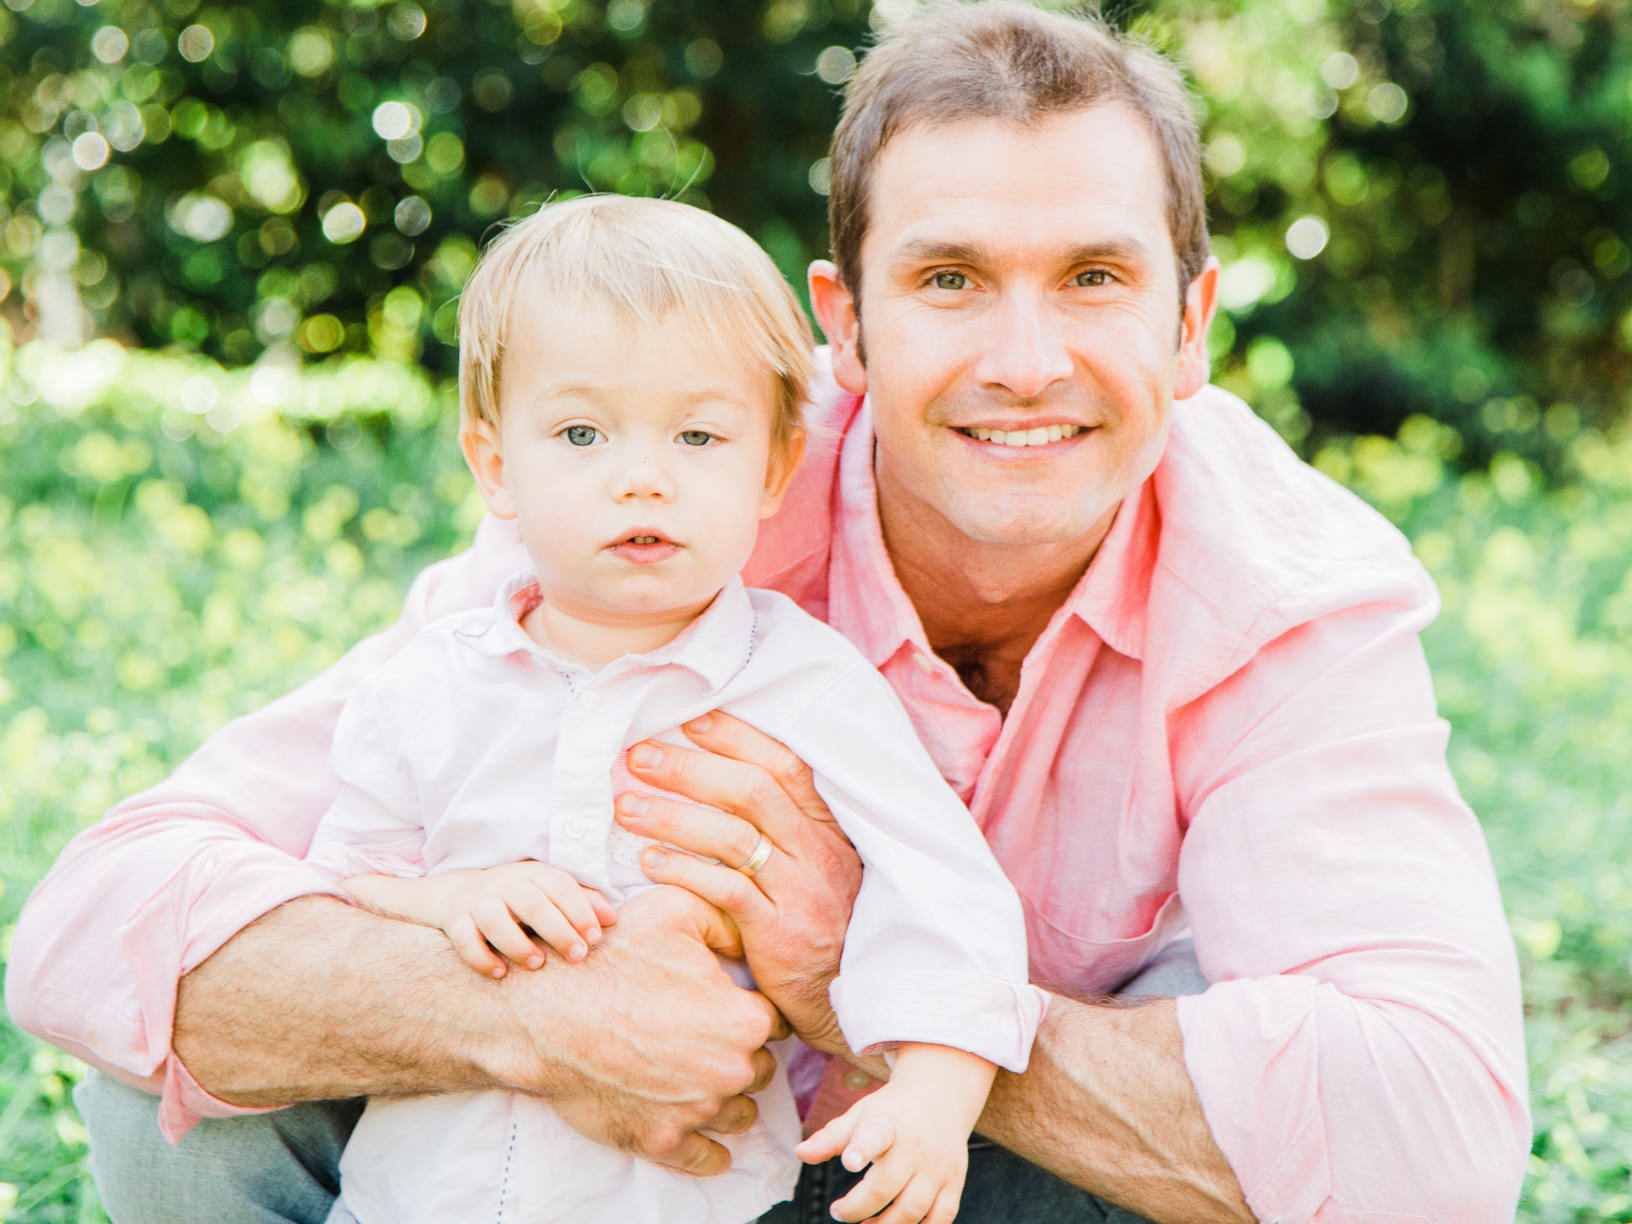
1023,330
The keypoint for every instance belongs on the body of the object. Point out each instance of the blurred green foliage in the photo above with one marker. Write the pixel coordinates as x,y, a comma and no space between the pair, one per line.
1422,205
181,542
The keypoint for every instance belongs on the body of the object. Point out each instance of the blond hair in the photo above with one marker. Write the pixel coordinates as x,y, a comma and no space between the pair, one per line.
644,258
952,60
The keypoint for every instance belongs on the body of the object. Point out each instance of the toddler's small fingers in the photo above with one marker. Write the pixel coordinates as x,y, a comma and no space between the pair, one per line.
605,912
500,928
552,927
871,1195
827,1142
472,948
914,1203
872,1138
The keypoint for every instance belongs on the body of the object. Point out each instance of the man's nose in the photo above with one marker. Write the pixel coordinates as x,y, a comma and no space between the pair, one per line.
1026,351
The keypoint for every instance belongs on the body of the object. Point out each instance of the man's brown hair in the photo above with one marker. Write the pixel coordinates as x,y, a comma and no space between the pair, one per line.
954,60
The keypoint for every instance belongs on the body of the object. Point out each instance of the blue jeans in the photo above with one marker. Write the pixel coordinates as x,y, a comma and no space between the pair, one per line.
284,1166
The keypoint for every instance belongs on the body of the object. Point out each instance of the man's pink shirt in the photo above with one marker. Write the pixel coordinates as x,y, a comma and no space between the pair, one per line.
1227,729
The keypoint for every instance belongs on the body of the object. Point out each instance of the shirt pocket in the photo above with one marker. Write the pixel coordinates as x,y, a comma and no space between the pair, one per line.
1073,963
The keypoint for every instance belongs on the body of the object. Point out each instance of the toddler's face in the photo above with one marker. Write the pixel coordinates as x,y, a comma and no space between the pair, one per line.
636,457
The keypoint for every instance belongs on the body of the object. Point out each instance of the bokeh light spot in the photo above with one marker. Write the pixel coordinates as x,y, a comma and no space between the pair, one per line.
90,151
344,223
1307,237
195,43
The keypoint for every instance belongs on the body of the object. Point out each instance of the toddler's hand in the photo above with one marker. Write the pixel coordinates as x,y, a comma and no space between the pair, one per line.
919,1159
914,1131
516,908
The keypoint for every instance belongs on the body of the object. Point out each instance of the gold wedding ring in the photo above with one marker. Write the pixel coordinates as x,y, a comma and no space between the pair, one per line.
756,860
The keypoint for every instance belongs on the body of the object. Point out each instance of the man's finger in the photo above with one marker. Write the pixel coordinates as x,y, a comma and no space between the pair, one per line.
735,1116
764,1068
698,1155
725,889
698,830
731,737
743,789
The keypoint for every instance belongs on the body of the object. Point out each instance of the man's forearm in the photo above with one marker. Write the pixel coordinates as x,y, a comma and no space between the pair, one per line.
319,1000
1107,1105
640,1046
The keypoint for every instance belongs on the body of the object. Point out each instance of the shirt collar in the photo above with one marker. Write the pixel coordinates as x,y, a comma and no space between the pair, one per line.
868,605
865,599
715,646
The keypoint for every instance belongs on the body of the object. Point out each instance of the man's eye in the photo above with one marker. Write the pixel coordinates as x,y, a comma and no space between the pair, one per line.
582,435
950,280
1093,278
696,437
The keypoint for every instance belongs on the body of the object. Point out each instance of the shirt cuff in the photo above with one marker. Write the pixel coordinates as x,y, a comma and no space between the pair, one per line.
1251,1048
988,1016
170,936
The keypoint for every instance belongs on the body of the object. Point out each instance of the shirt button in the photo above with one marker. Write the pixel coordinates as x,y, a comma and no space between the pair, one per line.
858,1081
575,828
589,699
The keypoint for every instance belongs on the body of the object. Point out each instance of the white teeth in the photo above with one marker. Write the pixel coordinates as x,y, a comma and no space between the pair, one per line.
1040,436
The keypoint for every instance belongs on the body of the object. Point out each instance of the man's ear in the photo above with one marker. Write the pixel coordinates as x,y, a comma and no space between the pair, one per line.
483,453
836,311
1200,301
785,461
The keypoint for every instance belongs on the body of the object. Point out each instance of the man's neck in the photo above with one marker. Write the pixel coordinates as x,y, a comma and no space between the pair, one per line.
983,605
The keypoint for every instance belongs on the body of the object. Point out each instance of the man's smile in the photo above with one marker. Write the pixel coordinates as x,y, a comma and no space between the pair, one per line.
1040,435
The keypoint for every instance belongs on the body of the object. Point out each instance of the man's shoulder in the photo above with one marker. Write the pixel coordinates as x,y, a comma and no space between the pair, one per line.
1259,538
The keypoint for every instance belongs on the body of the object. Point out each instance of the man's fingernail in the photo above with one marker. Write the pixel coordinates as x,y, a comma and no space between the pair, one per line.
632,804
653,858
699,725
646,756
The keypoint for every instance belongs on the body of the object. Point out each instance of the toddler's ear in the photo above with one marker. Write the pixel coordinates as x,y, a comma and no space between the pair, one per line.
779,473
480,442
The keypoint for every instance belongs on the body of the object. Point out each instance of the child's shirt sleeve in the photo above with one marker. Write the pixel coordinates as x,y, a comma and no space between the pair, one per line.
936,947
374,825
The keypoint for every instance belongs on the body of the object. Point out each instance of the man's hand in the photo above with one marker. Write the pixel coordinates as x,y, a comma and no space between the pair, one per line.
671,1047
793,911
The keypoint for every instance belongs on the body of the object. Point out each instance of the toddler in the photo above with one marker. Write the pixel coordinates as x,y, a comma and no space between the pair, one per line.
630,379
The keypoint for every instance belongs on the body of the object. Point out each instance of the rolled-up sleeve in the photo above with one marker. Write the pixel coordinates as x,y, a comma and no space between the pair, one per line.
935,951
138,900
1360,1053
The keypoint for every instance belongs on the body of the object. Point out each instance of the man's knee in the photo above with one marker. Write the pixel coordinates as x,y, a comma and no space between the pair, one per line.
260,1168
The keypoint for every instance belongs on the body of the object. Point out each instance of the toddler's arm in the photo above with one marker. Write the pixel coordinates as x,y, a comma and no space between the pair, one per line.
914,1131
512,908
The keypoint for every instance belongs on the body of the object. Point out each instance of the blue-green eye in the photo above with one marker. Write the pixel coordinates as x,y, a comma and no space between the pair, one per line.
696,437
950,280
582,435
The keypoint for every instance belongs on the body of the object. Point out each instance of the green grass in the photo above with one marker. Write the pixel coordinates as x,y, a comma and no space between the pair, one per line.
179,544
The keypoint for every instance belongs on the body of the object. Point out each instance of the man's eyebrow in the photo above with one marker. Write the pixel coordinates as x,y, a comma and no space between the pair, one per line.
941,250
937,250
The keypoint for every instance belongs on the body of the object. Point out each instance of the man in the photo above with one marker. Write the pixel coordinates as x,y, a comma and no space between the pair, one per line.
1174,673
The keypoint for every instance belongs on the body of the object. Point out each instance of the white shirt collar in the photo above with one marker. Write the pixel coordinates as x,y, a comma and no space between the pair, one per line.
716,645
